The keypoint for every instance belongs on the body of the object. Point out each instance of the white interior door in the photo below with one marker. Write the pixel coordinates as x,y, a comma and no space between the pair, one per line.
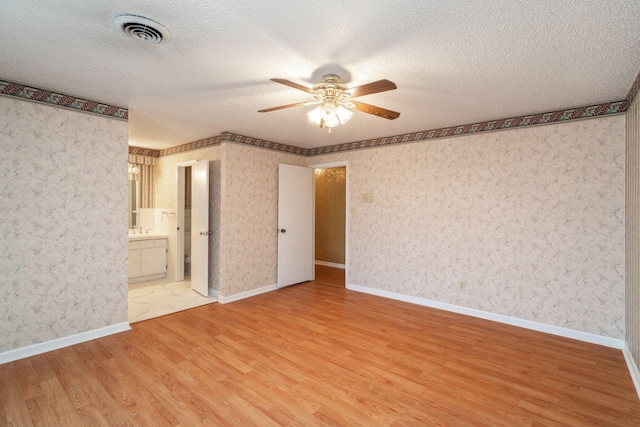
179,247
200,227
295,225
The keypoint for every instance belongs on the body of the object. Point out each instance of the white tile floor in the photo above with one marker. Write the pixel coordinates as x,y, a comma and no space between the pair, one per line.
159,297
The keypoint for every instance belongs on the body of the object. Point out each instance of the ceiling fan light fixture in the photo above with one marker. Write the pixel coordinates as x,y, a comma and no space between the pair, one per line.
344,114
331,120
314,115
336,106
329,115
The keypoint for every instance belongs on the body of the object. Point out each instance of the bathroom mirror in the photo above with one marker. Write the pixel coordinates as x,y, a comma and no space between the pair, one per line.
134,197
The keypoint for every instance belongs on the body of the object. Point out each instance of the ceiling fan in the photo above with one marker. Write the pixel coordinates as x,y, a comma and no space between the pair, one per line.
336,102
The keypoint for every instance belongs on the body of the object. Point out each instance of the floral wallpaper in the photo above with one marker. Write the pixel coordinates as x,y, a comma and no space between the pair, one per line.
632,330
63,251
527,223
330,214
249,215
243,211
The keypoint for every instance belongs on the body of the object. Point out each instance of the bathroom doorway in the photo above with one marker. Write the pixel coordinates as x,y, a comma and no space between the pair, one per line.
186,265
165,295
192,237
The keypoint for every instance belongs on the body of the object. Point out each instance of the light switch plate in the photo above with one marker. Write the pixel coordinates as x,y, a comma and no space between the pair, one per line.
366,197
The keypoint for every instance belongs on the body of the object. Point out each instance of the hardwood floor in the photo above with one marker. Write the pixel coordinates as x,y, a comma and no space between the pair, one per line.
317,354
331,275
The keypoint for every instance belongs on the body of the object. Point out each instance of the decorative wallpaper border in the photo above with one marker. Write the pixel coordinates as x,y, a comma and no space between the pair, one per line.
61,100
213,140
494,125
226,136
635,87
257,142
66,101
139,151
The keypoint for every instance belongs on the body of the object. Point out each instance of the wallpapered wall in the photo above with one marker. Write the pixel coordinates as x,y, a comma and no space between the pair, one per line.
63,251
166,197
330,214
249,216
243,211
526,223
632,330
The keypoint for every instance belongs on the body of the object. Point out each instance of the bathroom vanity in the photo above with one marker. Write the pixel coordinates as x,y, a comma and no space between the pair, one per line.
147,257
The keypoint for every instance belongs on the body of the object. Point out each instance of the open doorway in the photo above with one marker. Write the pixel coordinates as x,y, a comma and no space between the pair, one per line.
331,223
175,290
184,261
183,240
196,238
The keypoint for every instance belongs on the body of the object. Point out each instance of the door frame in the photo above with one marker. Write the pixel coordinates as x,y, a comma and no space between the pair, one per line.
180,198
346,213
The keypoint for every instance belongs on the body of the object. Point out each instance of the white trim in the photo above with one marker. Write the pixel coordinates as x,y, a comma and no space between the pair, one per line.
329,165
246,294
43,347
527,324
213,293
633,368
330,264
186,163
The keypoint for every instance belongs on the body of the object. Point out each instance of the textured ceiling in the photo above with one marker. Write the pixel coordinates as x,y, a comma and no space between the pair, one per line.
454,62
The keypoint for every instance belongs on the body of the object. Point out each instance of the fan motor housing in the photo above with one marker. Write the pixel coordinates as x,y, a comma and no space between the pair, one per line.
330,81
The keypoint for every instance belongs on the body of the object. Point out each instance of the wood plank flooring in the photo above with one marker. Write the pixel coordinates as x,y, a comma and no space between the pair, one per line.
317,354
331,275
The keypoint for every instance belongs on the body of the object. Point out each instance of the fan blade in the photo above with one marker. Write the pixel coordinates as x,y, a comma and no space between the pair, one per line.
293,85
373,87
282,107
376,111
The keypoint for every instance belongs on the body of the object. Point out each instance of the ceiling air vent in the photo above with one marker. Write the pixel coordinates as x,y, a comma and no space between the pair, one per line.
141,28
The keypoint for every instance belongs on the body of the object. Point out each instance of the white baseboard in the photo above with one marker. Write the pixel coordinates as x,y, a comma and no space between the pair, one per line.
34,349
330,264
633,368
247,294
214,293
514,321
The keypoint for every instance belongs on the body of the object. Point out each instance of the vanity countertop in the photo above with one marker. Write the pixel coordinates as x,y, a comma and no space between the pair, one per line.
146,236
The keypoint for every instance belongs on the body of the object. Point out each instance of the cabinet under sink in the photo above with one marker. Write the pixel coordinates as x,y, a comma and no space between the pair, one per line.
147,259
